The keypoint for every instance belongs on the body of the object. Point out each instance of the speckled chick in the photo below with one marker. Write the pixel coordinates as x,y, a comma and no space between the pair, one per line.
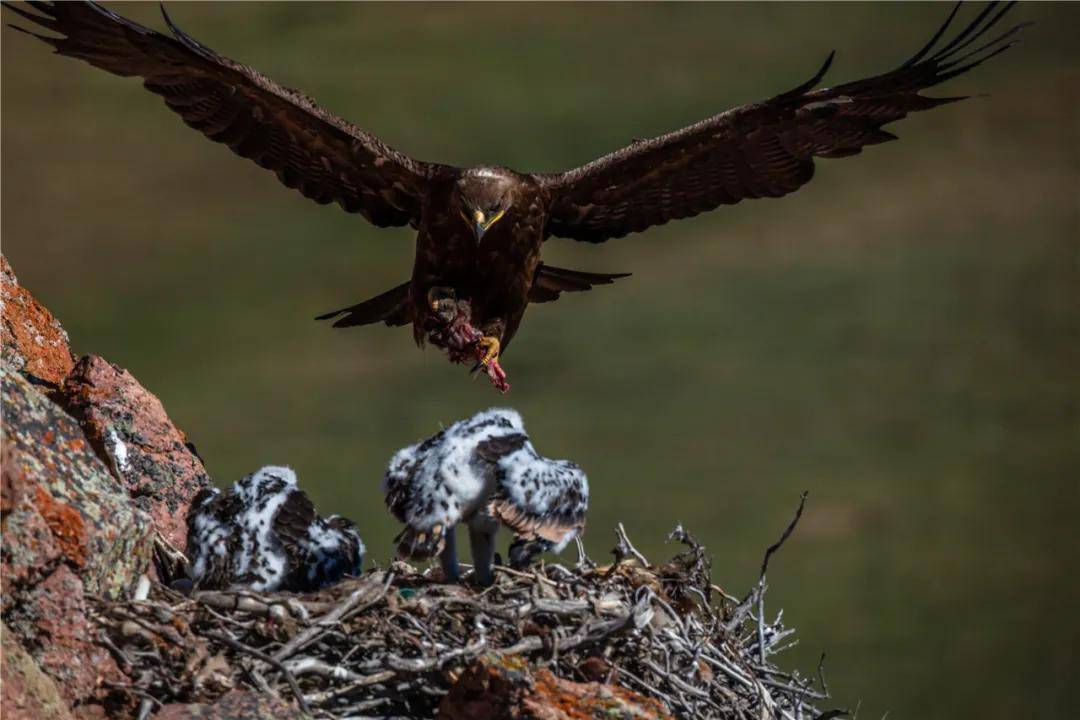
264,534
484,471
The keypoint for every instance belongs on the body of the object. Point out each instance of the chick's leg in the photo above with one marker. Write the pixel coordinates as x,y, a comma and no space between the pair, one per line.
448,557
482,529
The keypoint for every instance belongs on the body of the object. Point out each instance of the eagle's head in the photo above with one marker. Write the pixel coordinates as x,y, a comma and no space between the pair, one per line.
484,196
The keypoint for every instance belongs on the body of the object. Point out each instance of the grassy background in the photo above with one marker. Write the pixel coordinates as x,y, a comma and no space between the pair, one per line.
901,338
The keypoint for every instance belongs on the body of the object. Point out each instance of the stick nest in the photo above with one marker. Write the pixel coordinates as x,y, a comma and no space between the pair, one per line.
393,642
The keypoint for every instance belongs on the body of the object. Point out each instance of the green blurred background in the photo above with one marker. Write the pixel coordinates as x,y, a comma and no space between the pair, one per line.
901,337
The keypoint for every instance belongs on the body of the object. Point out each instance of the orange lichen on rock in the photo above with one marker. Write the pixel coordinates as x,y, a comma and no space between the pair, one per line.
66,524
554,698
33,340
504,688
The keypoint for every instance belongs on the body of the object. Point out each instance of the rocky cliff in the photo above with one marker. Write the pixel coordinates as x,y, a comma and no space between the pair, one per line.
96,481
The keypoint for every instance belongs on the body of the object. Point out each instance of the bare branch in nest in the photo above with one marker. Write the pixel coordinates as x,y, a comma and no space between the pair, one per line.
357,601
787,533
583,561
743,609
624,548
259,655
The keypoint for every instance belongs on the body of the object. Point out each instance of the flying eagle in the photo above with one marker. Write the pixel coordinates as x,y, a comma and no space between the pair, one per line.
480,230
484,471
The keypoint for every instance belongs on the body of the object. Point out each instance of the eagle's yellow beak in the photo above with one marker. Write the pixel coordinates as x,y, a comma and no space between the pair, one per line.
482,222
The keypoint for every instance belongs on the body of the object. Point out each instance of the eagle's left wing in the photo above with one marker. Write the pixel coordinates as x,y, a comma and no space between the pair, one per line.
324,157
761,150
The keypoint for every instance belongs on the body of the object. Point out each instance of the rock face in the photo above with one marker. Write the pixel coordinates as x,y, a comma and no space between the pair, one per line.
33,341
128,426
234,705
53,622
69,530
495,688
83,494
64,507
28,693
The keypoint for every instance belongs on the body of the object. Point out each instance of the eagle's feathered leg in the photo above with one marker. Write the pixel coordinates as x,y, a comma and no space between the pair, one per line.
443,303
482,529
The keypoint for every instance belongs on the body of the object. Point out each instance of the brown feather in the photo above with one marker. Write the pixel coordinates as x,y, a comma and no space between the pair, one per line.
391,307
549,282
530,528
412,544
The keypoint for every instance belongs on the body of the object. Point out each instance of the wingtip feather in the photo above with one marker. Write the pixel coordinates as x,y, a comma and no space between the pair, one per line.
974,30
168,20
813,81
43,20
935,38
54,42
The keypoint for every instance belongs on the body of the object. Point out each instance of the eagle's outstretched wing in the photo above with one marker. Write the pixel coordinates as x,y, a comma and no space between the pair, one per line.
324,157
761,150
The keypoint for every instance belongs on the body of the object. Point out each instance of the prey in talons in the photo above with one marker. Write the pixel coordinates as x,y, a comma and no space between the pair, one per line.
449,326
489,347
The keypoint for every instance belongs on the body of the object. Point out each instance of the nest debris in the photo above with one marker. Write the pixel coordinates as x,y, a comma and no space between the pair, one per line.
393,642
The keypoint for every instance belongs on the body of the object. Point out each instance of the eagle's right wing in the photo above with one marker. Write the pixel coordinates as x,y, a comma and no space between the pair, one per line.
323,156
764,149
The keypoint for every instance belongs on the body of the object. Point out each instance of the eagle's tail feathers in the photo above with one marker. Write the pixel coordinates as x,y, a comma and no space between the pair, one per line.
550,281
391,307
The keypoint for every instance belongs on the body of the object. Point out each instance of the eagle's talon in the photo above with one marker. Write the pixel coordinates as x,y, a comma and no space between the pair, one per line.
490,347
437,293
443,303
